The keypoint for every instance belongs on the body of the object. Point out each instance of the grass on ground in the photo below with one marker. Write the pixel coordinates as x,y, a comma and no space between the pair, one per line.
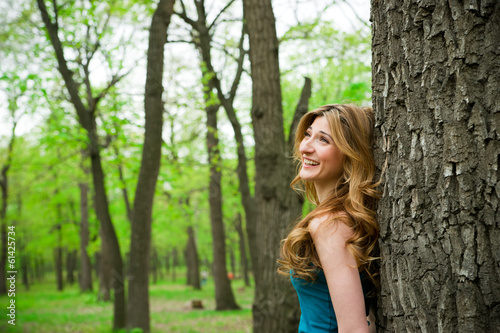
43,309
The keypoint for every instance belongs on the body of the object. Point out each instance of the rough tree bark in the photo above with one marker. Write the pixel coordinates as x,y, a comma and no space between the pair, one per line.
138,305
275,307
436,73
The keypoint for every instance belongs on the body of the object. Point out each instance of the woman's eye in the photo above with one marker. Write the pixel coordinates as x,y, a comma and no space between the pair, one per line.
307,134
324,140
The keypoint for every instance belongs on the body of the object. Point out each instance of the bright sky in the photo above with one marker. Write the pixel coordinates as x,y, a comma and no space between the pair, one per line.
287,13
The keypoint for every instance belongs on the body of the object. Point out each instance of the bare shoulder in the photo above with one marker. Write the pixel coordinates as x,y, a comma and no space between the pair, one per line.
331,226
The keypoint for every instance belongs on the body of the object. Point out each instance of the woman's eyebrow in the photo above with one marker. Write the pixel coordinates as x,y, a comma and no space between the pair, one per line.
326,134
323,132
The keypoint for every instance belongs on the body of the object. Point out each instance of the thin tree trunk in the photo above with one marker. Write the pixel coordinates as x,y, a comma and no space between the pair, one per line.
189,276
25,271
154,264
203,41
70,266
58,253
124,190
104,271
97,264
224,297
86,117
193,262
243,251
436,73
167,262
232,260
247,199
138,306
85,266
39,271
110,254
159,264
174,264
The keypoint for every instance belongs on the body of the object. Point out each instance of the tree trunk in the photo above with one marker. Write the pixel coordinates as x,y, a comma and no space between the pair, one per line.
86,117
247,199
25,264
70,266
167,262
85,266
436,73
203,41
275,307
174,264
154,264
138,306
58,253
224,297
124,189
110,255
192,260
243,251
232,260
103,271
39,269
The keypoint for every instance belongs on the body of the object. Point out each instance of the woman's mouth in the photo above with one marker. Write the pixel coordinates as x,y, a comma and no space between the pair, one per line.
309,162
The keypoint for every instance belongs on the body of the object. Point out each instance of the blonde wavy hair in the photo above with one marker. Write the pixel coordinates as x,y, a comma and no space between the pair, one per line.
354,197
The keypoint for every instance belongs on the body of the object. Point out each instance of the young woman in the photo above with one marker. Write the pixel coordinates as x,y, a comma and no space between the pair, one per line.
329,253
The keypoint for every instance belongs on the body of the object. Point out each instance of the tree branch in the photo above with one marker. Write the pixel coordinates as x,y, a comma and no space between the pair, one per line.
219,14
114,80
302,107
99,36
356,14
67,74
183,15
239,70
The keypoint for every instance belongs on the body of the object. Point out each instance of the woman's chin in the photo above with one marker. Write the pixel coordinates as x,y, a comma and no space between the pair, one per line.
306,176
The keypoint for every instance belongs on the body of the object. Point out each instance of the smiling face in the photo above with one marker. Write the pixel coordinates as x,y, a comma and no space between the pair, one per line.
322,161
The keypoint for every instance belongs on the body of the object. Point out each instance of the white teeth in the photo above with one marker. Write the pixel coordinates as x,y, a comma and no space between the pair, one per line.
309,162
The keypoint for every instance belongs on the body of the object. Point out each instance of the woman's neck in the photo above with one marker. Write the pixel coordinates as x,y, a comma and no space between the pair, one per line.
322,193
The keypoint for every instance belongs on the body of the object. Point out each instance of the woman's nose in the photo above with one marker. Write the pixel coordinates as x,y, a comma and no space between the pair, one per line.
306,146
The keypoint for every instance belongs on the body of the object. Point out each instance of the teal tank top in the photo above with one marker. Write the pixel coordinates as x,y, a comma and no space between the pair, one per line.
316,305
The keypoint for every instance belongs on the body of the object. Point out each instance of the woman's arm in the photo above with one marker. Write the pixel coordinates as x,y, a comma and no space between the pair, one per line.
341,273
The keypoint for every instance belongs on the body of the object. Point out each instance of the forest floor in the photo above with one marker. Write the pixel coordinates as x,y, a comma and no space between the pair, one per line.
43,309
